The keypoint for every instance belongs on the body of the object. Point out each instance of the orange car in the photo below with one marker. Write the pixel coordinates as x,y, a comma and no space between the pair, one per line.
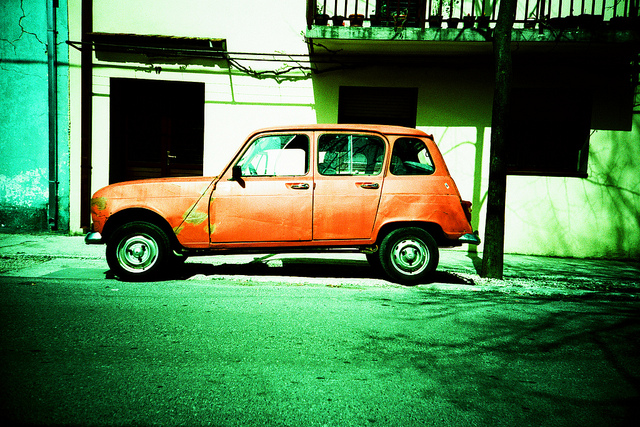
381,190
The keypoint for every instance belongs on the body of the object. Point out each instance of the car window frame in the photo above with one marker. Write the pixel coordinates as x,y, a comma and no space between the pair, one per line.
426,149
319,155
294,135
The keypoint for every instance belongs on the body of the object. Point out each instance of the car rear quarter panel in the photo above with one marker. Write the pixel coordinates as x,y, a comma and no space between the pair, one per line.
401,204
424,198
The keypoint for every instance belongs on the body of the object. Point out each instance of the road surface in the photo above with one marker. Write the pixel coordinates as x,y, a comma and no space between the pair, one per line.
242,353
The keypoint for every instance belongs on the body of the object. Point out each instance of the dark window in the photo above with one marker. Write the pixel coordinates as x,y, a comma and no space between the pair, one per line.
411,157
549,132
378,105
345,154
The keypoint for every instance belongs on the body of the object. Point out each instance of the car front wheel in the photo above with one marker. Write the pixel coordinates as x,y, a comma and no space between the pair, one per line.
408,255
138,251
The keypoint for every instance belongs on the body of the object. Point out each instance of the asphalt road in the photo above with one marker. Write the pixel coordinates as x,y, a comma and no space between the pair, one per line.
211,352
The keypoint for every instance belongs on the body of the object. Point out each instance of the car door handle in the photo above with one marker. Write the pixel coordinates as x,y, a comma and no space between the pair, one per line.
299,186
170,157
369,185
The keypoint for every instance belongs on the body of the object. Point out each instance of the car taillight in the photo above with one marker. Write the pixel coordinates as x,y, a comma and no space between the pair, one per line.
466,207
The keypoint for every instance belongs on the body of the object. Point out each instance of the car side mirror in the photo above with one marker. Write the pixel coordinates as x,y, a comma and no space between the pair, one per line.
236,175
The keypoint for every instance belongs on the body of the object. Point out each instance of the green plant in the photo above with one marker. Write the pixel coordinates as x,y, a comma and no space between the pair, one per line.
400,17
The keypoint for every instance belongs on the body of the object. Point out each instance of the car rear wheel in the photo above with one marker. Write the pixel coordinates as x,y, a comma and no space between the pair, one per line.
138,251
408,255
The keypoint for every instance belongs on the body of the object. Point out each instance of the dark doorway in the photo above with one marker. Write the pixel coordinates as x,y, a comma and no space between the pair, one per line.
378,105
157,129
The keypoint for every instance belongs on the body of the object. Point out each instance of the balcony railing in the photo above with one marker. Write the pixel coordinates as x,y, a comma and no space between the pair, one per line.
552,14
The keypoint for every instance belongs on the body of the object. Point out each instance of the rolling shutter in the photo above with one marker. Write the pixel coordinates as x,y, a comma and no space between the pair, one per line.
378,105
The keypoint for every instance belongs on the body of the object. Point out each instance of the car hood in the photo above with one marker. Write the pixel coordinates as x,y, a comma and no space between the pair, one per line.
155,188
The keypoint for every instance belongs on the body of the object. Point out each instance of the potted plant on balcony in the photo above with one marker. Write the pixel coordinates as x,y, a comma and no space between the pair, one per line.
356,19
321,18
435,17
564,23
590,22
338,21
375,20
452,22
483,21
621,23
435,21
399,18
468,21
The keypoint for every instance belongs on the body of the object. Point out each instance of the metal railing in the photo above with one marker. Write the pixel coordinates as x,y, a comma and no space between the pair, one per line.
558,14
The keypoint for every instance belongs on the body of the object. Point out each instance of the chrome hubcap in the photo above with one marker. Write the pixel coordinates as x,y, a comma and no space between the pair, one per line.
137,253
410,256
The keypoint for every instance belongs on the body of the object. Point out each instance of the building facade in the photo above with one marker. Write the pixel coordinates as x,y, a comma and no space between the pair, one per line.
163,88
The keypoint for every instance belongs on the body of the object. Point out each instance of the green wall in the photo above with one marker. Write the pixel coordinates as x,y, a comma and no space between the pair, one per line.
24,112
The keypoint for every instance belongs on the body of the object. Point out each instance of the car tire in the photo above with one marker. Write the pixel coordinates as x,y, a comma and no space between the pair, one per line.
408,255
138,251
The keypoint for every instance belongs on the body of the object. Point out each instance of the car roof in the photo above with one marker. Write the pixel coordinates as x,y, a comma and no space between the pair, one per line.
384,129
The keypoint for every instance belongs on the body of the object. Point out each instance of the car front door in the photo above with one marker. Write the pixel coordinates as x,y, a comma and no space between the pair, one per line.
269,197
348,184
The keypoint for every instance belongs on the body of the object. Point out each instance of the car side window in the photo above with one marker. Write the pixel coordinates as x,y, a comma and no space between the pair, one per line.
346,154
411,157
276,155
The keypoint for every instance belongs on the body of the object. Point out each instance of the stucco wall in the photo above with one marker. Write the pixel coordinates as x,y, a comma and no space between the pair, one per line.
584,217
598,216
24,127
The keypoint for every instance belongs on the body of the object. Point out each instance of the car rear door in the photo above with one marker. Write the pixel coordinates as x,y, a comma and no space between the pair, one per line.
348,184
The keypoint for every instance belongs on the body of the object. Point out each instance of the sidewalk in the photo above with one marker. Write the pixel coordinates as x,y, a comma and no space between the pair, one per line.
46,244
50,254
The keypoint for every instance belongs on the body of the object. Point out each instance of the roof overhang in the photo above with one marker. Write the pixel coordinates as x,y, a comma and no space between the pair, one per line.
154,49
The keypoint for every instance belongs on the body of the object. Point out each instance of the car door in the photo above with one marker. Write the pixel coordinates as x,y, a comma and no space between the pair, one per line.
348,184
269,199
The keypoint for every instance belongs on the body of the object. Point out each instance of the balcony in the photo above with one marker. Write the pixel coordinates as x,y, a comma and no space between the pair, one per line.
466,26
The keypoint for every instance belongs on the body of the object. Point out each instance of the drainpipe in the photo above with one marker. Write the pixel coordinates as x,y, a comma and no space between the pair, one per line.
52,61
86,71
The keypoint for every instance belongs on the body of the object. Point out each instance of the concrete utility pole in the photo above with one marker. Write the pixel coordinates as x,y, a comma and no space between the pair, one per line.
493,256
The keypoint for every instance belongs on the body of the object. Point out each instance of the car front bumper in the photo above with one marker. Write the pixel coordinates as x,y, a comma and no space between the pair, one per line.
93,238
471,238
